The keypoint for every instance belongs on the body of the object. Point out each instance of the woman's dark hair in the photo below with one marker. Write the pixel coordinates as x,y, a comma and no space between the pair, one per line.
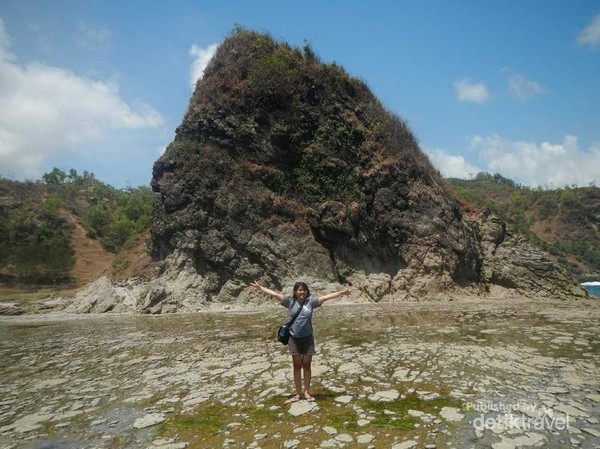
297,285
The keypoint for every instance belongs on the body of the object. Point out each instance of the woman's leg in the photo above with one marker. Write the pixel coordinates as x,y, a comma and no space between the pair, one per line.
306,362
297,362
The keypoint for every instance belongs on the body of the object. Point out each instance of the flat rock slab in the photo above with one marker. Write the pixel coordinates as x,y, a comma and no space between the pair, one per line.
385,396
149,420
528,440
302,408
591,431
365,438
405,445
343,399
28,423
169,446
451,414
344,438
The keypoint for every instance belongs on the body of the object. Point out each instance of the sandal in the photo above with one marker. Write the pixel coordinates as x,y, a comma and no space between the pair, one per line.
309,398
295,398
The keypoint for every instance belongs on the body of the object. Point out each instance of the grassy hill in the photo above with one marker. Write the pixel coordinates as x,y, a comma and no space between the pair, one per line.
68,229
564,222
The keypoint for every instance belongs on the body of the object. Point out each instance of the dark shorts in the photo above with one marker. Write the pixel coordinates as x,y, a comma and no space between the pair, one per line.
304,345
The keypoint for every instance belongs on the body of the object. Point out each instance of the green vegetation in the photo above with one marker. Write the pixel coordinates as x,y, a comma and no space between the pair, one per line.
36,230
272,74
563,222
208,419
209,422
34,240
113,216
310,126
320,182
394,415
278,85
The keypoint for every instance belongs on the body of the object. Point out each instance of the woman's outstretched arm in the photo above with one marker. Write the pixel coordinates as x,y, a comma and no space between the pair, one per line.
256,286
345,292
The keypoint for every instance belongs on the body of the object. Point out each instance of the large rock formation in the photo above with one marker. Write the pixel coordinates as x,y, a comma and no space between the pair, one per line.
285,168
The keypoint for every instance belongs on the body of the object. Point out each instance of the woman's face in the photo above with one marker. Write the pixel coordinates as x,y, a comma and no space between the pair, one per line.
300,293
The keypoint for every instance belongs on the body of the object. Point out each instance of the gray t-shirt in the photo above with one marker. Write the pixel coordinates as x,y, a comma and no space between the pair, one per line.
302,327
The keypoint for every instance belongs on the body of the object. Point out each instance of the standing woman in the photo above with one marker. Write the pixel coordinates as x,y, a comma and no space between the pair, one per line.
302,343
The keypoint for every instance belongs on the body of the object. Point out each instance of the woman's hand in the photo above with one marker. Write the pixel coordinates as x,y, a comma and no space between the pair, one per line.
256,286
345,292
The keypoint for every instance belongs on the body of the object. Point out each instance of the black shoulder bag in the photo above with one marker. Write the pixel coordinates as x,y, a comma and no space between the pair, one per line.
283,334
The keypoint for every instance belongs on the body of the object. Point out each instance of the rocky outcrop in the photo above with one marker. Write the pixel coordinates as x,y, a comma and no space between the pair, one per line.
512,265
10,308
285,168
103,296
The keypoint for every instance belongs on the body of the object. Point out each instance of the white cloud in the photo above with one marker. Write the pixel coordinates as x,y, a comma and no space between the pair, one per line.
522,88
540,164
590,35
451,166
91,37
466,90
201,56
46,112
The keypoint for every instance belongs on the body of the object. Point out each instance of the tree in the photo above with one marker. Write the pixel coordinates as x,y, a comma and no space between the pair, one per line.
98,219
52,204
55,177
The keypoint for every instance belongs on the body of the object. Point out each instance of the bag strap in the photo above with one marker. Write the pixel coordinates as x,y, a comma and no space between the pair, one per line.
295,316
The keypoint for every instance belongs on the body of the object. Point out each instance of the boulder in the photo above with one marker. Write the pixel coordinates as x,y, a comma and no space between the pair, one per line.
10,308
103,296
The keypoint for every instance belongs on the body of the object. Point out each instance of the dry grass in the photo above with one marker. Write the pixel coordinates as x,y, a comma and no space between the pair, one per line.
21,295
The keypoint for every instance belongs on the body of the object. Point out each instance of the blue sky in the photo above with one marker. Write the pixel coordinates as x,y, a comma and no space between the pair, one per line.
502,86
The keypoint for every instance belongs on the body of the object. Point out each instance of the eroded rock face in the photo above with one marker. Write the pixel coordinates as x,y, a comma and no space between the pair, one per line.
513,265
286,169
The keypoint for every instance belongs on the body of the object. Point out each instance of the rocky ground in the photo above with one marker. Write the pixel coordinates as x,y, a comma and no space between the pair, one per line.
435,375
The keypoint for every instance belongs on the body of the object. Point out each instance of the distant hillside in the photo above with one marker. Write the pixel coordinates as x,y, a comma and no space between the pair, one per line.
68,229
563,222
